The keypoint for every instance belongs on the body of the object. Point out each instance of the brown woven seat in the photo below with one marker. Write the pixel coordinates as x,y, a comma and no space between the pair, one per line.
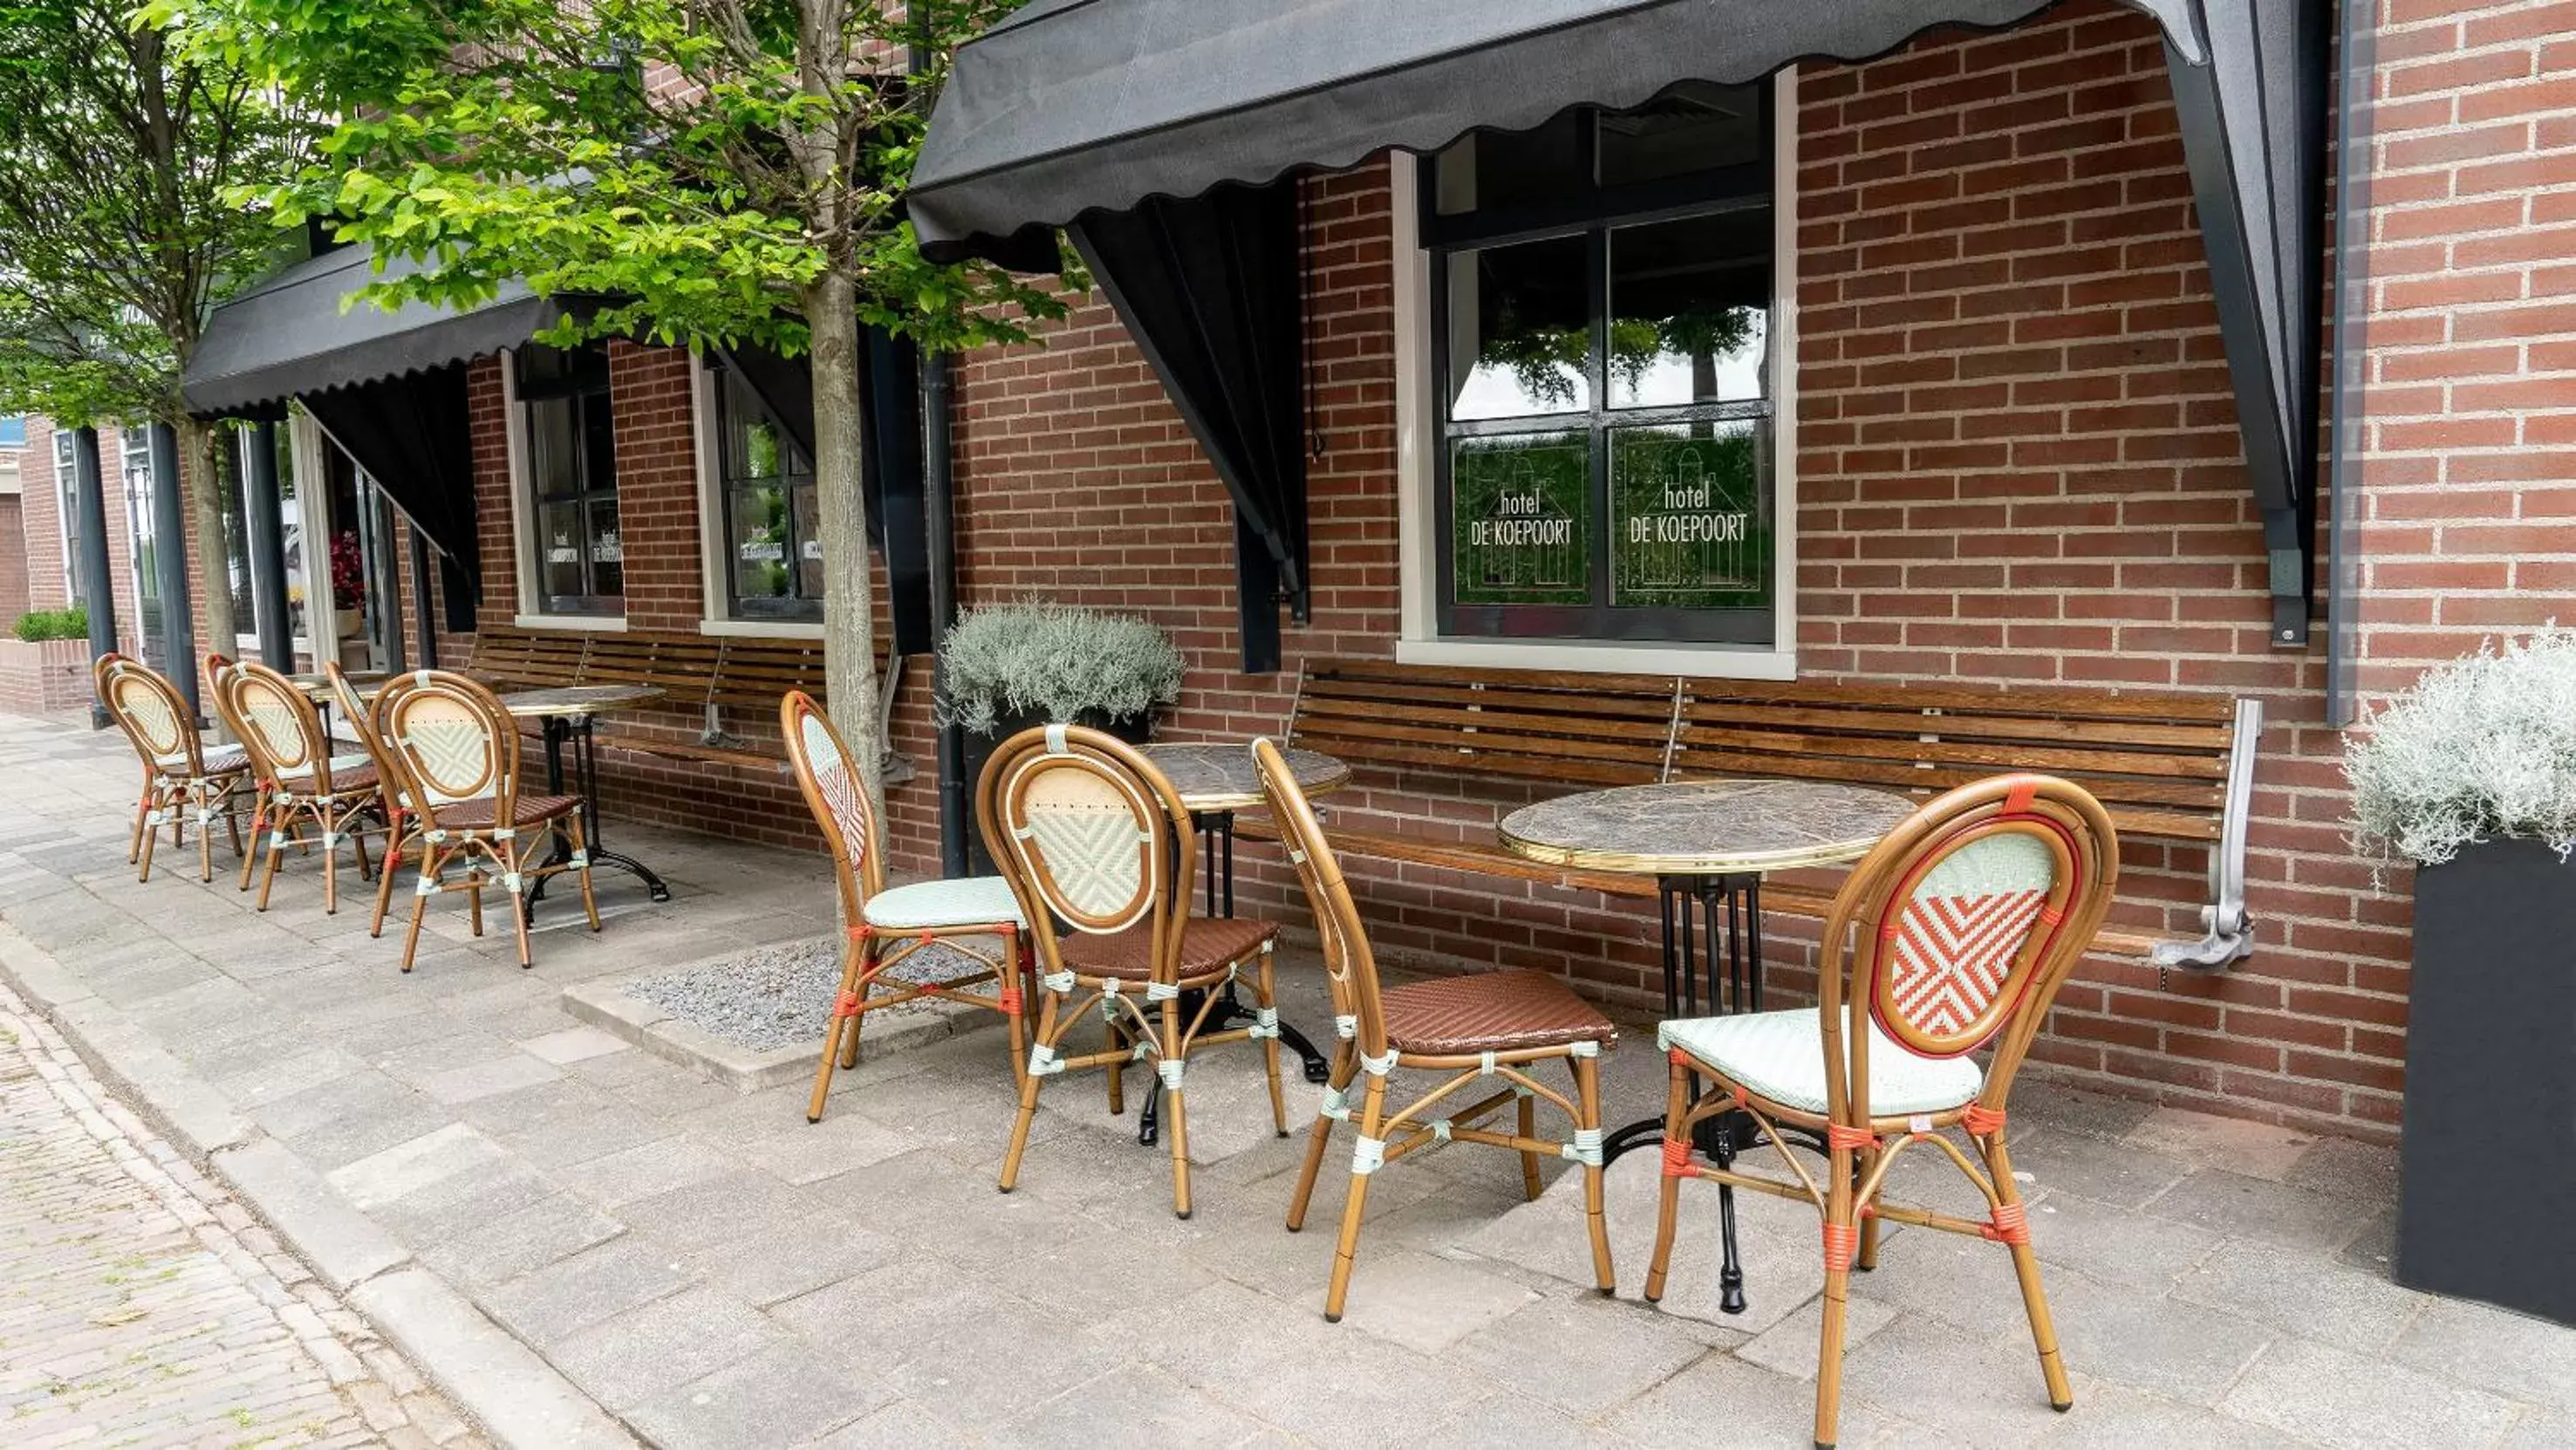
476,814
1494,1012
345,780
1209,945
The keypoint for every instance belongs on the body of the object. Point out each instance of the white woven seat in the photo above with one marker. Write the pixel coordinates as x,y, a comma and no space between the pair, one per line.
1781,1056
930,905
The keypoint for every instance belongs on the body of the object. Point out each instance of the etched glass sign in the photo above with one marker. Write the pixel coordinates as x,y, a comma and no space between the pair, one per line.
1518,508
1688,530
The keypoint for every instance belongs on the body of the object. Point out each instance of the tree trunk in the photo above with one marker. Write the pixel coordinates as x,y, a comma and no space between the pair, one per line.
849,608
197,465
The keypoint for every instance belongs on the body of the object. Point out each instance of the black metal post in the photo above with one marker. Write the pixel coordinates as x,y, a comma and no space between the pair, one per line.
170,563
264,516
98,586
420,601
938,505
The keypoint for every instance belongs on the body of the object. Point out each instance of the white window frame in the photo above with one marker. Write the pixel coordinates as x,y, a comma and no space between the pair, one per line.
66,499
523,528
706,416
1417,435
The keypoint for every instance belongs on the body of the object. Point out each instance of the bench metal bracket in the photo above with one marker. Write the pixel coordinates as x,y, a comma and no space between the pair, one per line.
2228,934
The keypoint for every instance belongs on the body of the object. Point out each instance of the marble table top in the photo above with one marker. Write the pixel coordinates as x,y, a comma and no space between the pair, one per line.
1212,777
1706,827
579,699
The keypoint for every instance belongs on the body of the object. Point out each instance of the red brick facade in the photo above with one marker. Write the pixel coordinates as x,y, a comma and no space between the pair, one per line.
2017,461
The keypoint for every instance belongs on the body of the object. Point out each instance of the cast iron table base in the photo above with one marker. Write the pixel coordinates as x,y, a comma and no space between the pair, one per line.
575,730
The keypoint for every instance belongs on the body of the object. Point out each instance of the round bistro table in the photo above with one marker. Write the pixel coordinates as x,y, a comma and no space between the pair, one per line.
567,713
1708,844
1215,781
317,688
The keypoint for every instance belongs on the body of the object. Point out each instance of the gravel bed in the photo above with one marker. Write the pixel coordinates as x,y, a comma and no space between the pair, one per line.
781,995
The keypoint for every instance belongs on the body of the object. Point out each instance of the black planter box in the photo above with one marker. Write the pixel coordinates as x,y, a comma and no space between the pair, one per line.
979,749
2487,1201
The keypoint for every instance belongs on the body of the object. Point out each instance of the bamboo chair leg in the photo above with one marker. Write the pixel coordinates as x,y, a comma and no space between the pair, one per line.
1269,1002
430,857
853,961
474,897
1587,1080
1355,1207
396,844
142,813
865,985
581,849
276,855
1113,1040
151,838
1029,1085
2034,1299
1528,1127
1867,1259
1676,1129
358,843
1176,1123
518,907
1840,1228
330,859
232,817
1345,1061
1018,986
258,828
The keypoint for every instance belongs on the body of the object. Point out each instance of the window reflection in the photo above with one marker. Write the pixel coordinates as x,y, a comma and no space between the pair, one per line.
1520,330
1690,310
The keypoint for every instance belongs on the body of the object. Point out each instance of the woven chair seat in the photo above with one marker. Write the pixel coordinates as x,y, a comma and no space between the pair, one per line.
220,760
1781,1056
1209,944
1489,1012
931,905
531,810
349,776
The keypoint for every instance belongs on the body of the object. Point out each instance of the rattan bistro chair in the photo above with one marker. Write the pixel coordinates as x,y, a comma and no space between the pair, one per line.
1960,928
400,795
457,751
1490,1028
881,928
1101,852
184,779
306,796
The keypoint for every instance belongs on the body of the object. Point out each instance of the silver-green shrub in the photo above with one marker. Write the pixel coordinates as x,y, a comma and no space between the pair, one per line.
2482,747
1050,659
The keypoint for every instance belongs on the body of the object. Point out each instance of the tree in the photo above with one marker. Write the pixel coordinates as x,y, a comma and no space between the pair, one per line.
118,229
696,170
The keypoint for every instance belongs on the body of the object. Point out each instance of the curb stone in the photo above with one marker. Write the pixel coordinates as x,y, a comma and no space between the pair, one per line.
515,1396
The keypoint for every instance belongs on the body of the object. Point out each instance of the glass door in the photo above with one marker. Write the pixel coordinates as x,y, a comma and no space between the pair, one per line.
136,444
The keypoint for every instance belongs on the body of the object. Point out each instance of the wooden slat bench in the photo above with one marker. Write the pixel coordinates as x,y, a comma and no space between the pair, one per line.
2167,766
695,671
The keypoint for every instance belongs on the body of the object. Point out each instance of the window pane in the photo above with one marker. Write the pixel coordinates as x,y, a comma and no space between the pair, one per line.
1520,333
559,550
1519,509
809,541
1690,306
599,443
1694,126
1496,170
554,467
607,551
760,541
1690,522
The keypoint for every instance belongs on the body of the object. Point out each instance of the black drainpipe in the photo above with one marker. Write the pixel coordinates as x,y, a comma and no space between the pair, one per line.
938,504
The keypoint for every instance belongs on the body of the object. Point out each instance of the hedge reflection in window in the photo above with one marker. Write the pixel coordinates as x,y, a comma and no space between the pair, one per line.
1602,296
773,545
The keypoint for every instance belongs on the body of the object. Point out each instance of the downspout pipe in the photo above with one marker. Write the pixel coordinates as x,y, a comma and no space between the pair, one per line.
264,516
98,587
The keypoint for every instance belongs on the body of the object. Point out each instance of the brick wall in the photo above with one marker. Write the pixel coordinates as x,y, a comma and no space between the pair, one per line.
2018,462
13,556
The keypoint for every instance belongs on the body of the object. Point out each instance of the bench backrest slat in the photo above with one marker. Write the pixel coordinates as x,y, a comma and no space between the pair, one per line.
1515,724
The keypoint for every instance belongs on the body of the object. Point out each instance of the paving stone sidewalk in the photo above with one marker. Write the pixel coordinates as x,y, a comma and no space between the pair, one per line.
141,1305
716,1273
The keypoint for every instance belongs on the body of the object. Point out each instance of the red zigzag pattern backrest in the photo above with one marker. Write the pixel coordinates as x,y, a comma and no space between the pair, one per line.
1949,946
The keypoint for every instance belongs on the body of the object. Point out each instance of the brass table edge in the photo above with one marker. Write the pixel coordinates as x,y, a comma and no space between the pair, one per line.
1627,863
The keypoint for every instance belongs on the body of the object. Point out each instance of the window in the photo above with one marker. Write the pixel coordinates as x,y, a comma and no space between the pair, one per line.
570,483
1601,296
67,491
771,550
231,498
13,430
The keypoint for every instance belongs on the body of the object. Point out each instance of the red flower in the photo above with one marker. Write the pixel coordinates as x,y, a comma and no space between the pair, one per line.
348,570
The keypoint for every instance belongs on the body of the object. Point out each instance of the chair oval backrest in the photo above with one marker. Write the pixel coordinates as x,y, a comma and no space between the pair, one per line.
1350,967
278,724
828,775
361,718
149,709
453,739
1969,917
1091,837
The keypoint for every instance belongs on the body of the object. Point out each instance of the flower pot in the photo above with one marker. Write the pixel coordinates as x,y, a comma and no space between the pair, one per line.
1135,730
2487,1176
347,622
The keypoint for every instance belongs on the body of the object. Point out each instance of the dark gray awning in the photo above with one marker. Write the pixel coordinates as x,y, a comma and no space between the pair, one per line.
1094,106
290,335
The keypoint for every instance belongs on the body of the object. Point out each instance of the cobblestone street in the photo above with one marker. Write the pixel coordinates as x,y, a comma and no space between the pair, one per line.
140,1305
